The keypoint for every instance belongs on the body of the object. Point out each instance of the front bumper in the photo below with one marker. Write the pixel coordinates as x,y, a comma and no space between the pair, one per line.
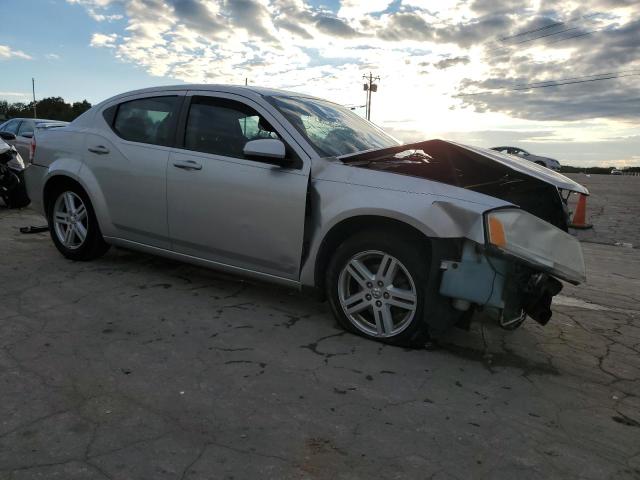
503,287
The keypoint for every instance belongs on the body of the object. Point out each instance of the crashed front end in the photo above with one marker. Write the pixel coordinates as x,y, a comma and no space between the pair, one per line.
515,272
513,268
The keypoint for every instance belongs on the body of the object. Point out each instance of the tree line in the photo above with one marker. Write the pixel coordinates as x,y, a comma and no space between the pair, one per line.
51,108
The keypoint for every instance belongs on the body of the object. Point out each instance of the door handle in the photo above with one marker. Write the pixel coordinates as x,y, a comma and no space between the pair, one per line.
99,150
188,165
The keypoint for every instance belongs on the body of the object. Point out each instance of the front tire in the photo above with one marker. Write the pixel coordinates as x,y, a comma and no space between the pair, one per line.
377,286
73,225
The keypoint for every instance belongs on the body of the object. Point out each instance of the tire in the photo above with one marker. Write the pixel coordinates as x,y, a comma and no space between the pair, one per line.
85,241
387,307
18,197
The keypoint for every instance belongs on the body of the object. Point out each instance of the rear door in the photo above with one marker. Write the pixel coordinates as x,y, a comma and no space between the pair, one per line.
127,155
229,209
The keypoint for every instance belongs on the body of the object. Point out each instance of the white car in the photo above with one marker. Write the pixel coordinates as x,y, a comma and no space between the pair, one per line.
544,161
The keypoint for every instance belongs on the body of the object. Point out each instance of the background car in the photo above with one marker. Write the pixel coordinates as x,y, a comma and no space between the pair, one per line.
23,129
544,161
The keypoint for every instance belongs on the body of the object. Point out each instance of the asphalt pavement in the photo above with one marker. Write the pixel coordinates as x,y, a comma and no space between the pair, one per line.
136,367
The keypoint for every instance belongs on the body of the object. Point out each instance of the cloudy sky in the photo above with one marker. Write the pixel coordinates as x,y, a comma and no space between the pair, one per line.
559,78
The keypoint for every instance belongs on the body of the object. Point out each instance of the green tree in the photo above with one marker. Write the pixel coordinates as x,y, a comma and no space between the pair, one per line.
52,108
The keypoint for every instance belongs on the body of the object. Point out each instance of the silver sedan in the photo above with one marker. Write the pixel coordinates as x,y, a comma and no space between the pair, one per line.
403,240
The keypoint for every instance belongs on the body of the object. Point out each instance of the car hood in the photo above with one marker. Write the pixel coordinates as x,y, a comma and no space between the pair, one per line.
474,158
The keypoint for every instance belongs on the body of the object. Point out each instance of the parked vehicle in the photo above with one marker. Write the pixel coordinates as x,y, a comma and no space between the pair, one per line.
615,171
404,240
22,130
544,161
12,188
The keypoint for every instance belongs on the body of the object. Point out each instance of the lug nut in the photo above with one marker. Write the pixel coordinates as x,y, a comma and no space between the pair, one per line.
378,303
368,297
386,294
369,284
380,284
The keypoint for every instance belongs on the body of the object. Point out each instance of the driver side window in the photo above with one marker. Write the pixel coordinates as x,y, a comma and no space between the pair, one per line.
223,127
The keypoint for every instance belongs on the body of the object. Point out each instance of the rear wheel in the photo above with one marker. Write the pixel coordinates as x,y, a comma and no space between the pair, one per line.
377,286
73,225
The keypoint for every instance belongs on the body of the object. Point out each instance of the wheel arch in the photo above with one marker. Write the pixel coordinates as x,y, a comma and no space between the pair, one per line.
345,228
53,184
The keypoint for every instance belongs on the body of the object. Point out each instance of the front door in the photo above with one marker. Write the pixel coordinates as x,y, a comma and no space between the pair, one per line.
226,208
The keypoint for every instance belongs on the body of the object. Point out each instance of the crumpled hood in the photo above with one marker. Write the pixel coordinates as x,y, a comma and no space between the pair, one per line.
530,168
450,150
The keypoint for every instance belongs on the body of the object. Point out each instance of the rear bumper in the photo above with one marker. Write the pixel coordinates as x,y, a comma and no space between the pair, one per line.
35,176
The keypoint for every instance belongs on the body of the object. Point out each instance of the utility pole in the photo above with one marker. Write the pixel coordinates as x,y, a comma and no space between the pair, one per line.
33,88
370,88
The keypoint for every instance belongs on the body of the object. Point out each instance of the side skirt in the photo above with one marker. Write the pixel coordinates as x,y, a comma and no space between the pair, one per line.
120,242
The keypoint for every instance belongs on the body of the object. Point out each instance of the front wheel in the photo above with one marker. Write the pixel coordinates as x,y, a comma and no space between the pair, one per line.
377,284
74,228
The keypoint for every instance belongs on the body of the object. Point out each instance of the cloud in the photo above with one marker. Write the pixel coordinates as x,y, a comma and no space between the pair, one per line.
7,53
335,27
406,26
303,45
451,62
102,40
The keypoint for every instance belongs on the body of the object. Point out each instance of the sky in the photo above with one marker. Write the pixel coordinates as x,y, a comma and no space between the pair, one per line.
557,78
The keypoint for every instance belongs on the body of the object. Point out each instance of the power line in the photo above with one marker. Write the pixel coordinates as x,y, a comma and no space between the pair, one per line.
557,83
576,81
546,27
635,70
538,37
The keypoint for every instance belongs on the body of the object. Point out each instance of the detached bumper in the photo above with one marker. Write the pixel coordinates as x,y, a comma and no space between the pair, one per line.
506,288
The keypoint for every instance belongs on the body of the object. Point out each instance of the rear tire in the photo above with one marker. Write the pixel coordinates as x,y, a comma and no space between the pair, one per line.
73,225
377,285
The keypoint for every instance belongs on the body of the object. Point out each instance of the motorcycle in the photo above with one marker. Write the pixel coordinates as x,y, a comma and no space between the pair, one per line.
12,187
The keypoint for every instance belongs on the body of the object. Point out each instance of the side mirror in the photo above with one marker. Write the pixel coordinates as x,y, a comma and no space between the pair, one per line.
7,136
267,149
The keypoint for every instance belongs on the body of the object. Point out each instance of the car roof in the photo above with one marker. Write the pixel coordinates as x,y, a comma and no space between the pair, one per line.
245,90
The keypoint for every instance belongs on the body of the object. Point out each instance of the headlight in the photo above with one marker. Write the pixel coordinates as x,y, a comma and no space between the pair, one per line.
525,236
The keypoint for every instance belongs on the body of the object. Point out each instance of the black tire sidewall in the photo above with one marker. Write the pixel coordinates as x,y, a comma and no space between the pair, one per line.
94,245
415,257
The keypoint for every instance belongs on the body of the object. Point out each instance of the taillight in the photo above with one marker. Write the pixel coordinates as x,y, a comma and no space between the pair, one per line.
32,149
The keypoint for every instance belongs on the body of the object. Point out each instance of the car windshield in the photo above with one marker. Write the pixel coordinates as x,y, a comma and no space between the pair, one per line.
331,129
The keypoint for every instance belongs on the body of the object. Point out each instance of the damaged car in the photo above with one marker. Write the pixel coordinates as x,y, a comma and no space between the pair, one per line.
403,240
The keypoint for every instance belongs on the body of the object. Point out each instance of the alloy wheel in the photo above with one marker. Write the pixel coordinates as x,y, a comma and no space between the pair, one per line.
377,293
70,220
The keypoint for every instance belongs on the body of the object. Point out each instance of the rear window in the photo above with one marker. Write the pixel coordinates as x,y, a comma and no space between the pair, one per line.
147,120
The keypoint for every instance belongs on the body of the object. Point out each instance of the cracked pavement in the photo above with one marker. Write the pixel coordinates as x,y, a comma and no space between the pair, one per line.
136,367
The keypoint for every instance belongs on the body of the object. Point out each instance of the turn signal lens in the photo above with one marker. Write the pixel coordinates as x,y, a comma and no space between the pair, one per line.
496,232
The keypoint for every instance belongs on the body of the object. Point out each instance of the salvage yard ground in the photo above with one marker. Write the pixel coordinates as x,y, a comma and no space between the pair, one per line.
135,367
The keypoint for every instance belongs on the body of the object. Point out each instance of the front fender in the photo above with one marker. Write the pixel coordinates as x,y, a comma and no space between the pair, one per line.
435,216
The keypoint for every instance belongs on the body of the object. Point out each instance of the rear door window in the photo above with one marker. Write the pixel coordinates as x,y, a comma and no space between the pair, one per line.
147,120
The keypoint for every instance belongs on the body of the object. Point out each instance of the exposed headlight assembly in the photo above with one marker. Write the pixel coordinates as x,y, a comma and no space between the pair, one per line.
519,234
